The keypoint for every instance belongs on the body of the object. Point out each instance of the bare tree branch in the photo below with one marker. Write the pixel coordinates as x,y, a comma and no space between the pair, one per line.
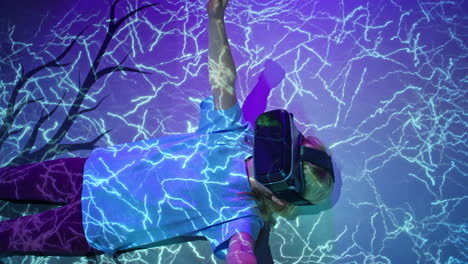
11,114
125,58
94,108
30,101
112,12
117,69
81,146
120,21
15,131
37,126
53,147
70,46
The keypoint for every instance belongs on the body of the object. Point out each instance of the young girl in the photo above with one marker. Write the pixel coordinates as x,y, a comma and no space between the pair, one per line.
133,195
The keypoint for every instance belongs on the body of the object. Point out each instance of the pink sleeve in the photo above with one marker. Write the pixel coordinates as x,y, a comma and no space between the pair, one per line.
241,249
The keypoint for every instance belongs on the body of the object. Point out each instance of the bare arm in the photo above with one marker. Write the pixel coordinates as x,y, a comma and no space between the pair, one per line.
241,249
222,70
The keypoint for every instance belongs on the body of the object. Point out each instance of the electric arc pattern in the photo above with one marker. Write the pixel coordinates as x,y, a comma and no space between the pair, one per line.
382,83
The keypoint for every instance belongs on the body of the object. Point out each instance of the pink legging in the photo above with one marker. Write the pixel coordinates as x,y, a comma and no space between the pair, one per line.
57,231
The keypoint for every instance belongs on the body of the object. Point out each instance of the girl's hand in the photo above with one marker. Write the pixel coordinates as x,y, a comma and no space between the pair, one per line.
215,8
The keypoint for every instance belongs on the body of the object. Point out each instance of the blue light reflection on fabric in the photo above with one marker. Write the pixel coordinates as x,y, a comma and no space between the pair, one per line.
147,191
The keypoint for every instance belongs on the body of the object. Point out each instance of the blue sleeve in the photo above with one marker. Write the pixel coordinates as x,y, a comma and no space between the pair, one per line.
213,121
219,235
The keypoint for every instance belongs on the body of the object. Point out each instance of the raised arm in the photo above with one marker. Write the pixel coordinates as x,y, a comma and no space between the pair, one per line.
222,70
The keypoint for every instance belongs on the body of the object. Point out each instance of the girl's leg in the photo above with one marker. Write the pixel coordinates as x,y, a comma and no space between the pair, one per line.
58,231
54,181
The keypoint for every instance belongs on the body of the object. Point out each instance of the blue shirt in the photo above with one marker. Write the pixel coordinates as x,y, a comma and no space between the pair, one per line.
143,192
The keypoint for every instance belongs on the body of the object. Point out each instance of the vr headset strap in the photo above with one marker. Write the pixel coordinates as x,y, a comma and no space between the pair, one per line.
317,157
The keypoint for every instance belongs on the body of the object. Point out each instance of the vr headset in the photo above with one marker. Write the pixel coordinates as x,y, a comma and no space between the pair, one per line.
279,154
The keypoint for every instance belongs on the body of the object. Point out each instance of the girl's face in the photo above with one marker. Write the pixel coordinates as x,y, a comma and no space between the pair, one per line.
310,142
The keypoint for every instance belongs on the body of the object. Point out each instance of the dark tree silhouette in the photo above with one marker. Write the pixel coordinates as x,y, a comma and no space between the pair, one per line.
54,146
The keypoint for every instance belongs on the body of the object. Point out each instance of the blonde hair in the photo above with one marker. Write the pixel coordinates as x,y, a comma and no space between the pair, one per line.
318,187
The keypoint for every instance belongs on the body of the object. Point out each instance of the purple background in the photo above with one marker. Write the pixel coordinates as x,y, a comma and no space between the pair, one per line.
382,83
